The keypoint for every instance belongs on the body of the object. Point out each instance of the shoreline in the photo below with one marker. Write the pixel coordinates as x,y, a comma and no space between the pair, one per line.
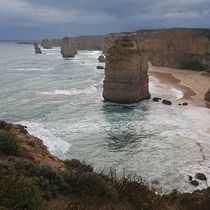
193,84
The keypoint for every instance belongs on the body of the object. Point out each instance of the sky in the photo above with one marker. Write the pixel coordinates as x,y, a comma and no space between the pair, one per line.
38,19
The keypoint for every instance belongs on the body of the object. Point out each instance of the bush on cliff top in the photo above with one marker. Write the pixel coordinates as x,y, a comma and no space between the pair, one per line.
19,192
8,143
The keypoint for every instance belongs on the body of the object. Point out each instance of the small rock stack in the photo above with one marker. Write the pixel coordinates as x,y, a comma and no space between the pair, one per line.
68,48
126,79
37,48
46,44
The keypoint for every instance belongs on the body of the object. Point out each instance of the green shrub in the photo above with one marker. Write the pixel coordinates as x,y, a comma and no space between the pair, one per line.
90,183
192,65
19,192
80,167
8,143
3,125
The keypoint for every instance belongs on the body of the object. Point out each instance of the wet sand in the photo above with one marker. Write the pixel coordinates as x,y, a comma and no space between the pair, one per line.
193,84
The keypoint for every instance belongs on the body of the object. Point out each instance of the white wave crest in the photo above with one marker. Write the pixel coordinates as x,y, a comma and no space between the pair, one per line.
72,92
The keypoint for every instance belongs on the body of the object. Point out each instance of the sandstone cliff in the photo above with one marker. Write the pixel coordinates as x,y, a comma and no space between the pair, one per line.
126,79
178,48
68,48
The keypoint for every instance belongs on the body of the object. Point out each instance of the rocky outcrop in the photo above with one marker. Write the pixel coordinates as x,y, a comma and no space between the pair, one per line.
68,48
100,67
37,48
207,95
102,59
126,79
46,44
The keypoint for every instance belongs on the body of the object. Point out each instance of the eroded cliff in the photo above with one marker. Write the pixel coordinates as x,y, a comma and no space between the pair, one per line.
178,48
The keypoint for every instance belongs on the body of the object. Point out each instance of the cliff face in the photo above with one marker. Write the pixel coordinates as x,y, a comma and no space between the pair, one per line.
126,79
68,48
178,48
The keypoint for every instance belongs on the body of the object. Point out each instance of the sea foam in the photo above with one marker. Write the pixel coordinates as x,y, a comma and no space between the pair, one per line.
72,92
55,145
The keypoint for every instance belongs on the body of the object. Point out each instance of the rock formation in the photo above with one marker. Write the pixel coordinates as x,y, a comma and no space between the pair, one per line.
126,79
177,48
100,67
37,48
207,95
68,48
102,59
46,44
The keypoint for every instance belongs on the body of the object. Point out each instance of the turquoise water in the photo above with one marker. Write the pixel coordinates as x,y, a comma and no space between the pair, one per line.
60,101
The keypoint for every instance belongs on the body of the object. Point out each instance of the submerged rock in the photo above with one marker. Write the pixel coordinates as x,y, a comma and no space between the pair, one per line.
102,59
201,176
194,183
126,79
156,99
100,67
167,102
37,48
185,104
68,48
207,95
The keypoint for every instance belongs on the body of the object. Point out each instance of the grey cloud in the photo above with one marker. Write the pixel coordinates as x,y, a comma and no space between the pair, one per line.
74,17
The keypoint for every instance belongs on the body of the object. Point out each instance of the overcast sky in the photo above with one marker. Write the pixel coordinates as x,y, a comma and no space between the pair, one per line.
37,19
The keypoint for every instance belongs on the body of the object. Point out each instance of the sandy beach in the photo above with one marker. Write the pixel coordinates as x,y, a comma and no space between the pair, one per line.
193,84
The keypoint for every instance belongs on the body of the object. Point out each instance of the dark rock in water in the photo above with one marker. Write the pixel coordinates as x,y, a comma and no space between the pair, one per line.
102,59
100,67
156,99
167,102
201,176
194,183
207,95
190,178
185,104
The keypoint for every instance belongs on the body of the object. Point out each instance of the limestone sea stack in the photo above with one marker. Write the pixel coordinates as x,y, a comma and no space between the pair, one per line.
207,95
68,48
126,79
37,48
46,44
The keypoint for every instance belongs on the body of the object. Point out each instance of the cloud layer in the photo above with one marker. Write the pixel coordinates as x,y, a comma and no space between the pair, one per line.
35,19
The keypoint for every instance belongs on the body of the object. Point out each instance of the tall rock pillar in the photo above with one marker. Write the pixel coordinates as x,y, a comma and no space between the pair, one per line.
126,79
68,48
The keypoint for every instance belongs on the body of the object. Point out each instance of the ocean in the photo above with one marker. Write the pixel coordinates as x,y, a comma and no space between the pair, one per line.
60,101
